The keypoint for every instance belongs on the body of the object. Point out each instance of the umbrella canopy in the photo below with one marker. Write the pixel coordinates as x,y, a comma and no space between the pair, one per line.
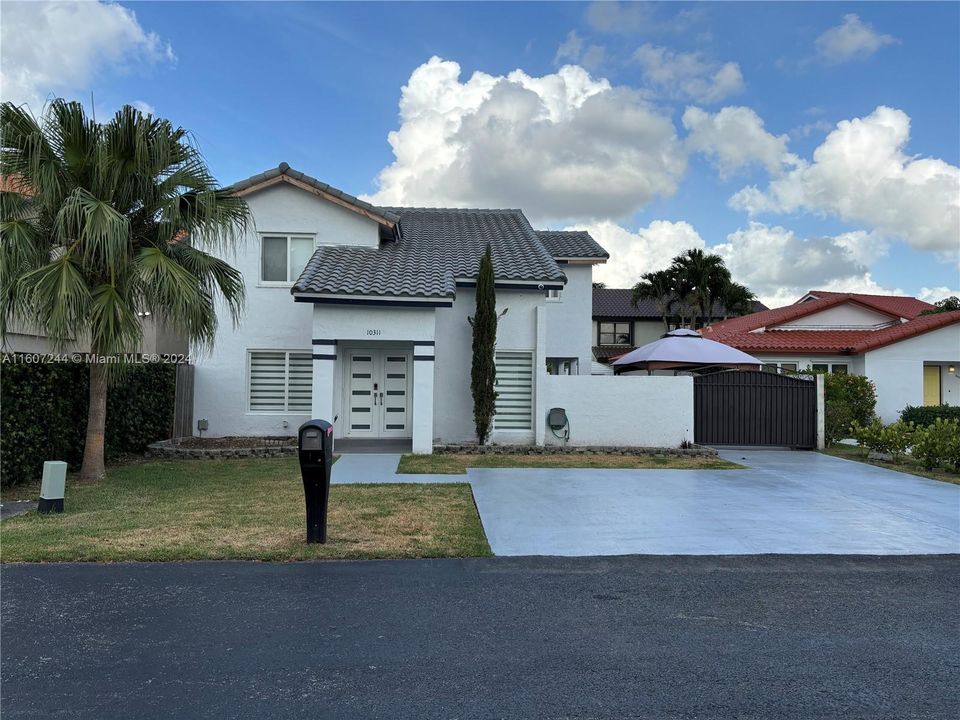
683,350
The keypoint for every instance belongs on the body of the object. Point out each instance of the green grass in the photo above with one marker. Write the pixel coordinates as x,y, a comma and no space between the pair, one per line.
240,510
443,464
906,465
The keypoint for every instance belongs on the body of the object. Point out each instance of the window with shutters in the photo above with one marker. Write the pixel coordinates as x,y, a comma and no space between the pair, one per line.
281,381
514,387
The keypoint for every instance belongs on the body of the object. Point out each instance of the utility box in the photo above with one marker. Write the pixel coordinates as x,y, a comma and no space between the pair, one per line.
315,448
52,486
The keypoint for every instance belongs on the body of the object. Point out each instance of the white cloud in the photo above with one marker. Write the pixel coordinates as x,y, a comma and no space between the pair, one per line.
780,266
861,174
59,47
616,17
564,145
733,138
144,107
935,294
572,49
634,253
686,76
852,39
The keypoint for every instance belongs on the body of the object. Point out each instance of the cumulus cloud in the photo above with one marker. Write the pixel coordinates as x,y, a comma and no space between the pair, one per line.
686,76
861,174
780,266
59,47
935,294
733,138
562,146
852,39
634,253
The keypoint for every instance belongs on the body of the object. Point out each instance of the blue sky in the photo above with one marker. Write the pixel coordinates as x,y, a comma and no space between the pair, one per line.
319,85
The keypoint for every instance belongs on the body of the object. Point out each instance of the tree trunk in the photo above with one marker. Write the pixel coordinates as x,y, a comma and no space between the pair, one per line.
93,467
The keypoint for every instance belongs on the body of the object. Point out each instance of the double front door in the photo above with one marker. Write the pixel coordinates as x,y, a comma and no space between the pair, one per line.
378,393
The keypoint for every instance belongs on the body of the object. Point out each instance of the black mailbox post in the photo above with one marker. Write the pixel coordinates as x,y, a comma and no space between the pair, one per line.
316,456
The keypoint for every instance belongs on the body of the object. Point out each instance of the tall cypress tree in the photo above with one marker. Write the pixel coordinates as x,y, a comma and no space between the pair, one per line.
483,369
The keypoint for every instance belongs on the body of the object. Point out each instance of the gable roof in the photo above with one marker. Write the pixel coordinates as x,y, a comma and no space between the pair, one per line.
893,306
434,249
742,332
571,244
285,173
618,303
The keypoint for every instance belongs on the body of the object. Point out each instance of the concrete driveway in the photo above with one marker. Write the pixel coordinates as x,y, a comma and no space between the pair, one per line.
785,502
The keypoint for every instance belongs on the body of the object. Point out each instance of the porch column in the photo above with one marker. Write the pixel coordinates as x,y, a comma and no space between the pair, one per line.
423,361
324,362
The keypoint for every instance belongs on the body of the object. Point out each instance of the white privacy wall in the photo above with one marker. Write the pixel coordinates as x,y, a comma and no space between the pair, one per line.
627,411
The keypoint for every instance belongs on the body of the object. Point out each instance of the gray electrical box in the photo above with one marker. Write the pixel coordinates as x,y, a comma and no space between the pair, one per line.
557,419
52,486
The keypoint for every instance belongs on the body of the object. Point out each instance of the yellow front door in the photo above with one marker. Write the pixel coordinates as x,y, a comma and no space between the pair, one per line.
931,384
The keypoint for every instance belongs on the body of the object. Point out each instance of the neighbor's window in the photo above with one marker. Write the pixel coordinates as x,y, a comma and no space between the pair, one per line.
281,381
820,367
615,333
562,366
839,368
792,367
285,257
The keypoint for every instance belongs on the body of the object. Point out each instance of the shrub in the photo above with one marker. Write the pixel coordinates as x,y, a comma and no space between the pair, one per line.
938,444
44,414
848,399
928,414
896,439
869,437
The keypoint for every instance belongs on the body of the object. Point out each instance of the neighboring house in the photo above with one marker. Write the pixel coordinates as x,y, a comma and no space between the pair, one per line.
913,359
619,326
377,336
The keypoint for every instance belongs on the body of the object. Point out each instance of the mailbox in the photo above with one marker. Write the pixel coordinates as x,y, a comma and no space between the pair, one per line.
315,445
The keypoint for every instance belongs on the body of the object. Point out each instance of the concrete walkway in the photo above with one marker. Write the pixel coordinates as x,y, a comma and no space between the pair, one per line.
784,502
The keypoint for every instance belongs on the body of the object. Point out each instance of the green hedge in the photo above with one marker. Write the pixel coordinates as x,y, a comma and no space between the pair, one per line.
928,414
848,399
43,414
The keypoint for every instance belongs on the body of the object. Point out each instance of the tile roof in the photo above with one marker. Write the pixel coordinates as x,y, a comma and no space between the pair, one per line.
894,306
285,170
436,246
605,353
617,303
571,244
901,305
840,342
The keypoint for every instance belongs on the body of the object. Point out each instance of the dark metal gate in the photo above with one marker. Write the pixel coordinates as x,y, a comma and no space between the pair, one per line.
751,407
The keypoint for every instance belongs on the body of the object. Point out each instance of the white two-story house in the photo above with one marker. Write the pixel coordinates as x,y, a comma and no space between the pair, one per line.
359,315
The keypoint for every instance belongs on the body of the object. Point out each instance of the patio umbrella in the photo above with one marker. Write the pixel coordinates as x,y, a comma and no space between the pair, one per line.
684,350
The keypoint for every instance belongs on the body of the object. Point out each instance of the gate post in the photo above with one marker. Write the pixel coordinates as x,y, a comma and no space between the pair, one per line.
821,413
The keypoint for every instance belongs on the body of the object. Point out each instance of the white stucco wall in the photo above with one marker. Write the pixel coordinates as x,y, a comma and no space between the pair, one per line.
642,411
897,370
453,404
272,320
568,321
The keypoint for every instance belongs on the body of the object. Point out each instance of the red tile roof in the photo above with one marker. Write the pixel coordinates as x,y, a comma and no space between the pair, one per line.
833,342
901,305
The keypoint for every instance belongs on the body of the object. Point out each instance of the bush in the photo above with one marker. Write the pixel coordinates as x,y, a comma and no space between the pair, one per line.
848,399
938,444
869,437
44,414
928,414
896,439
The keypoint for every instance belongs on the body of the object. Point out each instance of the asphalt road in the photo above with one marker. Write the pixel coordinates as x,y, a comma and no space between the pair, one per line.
618,637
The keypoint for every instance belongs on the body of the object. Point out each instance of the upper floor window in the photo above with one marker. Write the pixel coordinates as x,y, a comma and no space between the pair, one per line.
554,295
615,333
283,257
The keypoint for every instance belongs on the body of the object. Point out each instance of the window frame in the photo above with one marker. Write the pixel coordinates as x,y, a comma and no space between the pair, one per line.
289,237
286,381
574,364
555,298
614,323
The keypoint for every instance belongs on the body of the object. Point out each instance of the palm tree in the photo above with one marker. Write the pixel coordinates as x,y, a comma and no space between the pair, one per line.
699,281
659,287
736,299
104,222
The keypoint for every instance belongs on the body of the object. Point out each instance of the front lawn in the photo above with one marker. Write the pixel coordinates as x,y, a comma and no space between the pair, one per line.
241,510
907,464
443,464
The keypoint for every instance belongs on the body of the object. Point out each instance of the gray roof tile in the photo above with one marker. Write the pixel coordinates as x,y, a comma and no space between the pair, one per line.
436,246
571,244
617,303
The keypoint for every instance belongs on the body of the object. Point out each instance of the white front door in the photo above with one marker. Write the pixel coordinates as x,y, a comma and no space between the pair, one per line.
378,393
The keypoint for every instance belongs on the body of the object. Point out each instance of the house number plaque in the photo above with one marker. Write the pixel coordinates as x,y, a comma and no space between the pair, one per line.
373,332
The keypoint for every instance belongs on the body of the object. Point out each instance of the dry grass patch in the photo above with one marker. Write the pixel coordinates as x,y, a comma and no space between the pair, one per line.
443,464
241,509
